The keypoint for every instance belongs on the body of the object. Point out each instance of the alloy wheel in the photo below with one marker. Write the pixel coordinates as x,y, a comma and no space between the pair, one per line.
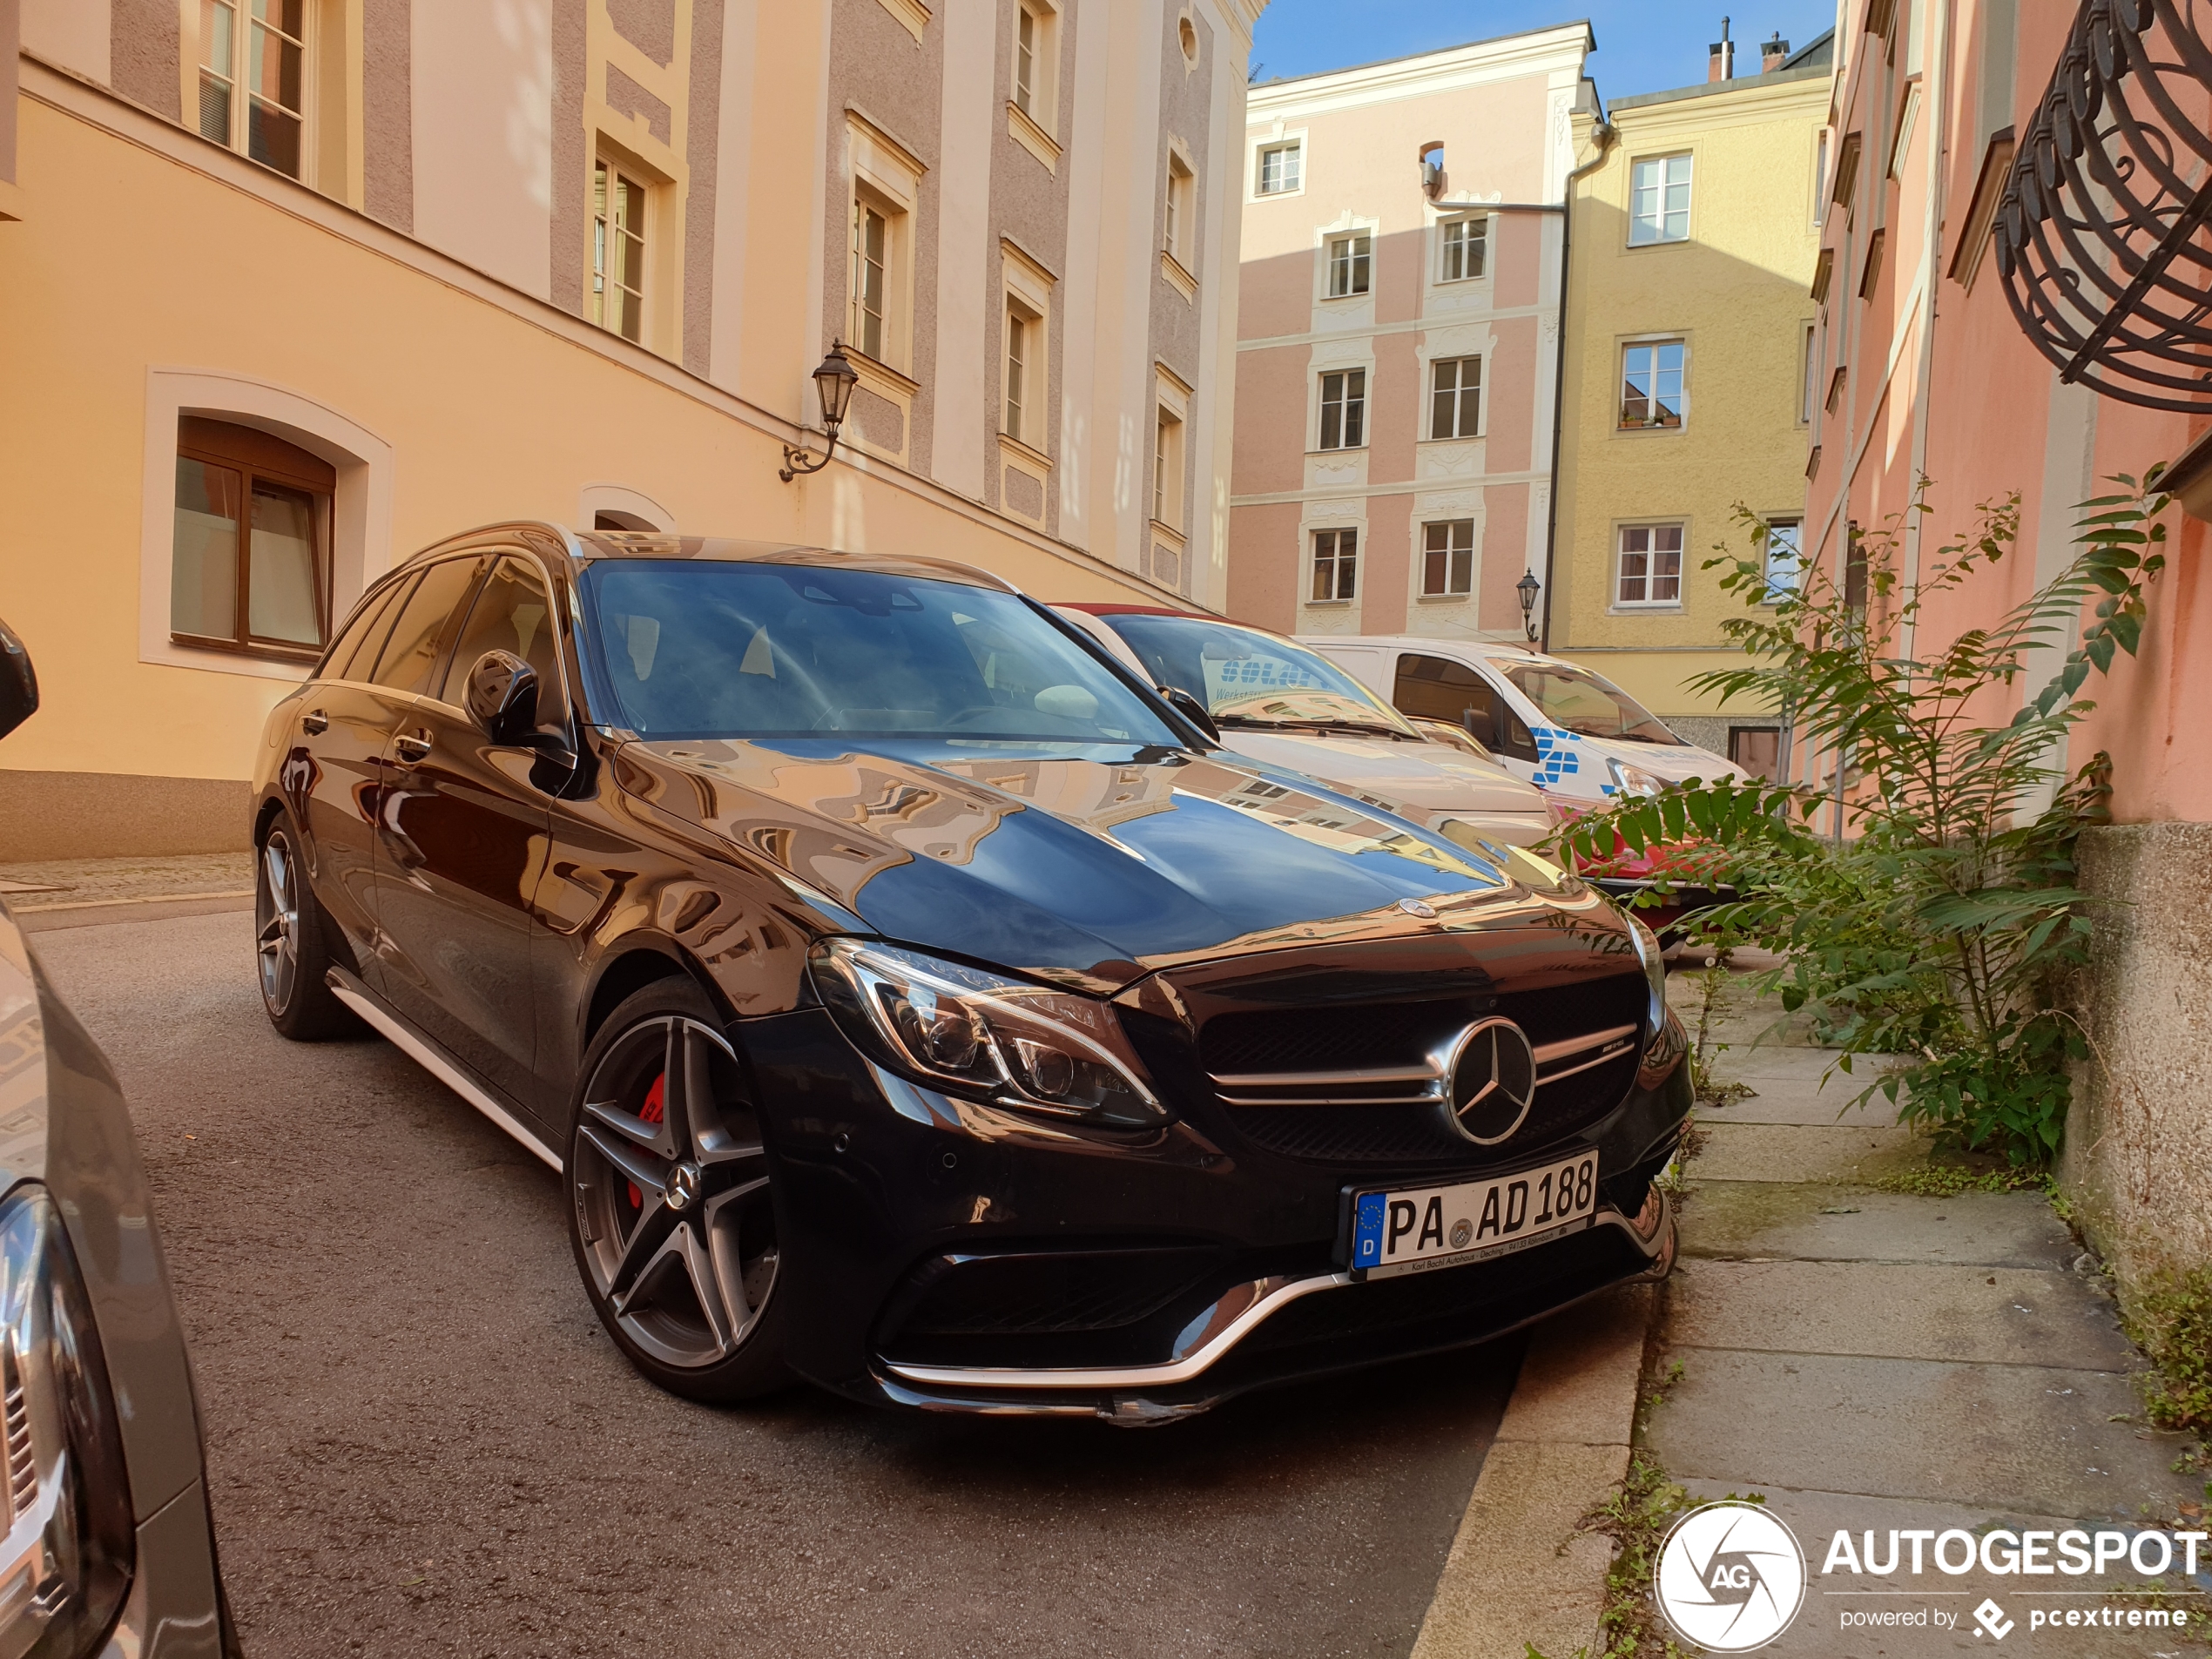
670,1188
276,916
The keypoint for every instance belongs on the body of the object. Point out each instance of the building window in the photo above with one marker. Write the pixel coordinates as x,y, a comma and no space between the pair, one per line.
1781,559
1820,179
1650,565
1448,558
1182,190
871,278
1343,409
1757,749
1336,565
1659,201
1021,342
618,252
265,55
1455,402
1651,383
1811,377
1036,64
250,568
1349,265
1280,169
1465,245
1167,469
1025,62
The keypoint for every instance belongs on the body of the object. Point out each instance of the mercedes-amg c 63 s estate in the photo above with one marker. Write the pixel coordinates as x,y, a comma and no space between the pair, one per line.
913,999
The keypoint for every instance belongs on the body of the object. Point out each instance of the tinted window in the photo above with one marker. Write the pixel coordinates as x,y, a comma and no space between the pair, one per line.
714,650
1583,702
411,654
512,613
360,638
1247,677
1436,688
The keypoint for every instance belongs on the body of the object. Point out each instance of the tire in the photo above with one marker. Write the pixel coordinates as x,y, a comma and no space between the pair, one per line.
291,951
670,1211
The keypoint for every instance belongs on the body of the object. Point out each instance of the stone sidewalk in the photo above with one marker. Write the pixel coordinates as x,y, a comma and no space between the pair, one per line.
76,893
1873,1359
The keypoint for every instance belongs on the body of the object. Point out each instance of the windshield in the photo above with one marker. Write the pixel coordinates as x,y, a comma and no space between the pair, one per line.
1584,704
1247,677
700,649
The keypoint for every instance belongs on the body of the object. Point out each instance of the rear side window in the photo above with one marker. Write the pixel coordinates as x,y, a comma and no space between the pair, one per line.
512,613
356,652
411,654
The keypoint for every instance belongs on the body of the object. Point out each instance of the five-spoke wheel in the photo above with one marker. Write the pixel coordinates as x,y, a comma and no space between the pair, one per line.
289,946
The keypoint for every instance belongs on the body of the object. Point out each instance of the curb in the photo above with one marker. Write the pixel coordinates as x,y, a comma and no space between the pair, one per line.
1521,1574
41,919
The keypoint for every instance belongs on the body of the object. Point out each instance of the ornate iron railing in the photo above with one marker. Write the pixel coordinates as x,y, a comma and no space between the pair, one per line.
2104,233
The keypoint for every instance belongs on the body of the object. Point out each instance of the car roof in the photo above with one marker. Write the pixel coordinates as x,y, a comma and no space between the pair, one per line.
1110,609
1415,642
588,546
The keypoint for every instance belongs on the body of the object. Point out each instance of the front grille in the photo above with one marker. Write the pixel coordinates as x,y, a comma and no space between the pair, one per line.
1323,1039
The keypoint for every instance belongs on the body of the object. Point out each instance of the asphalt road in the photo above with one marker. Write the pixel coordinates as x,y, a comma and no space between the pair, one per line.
419,1440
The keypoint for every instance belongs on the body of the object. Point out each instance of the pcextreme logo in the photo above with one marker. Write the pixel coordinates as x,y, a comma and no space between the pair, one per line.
1730,1577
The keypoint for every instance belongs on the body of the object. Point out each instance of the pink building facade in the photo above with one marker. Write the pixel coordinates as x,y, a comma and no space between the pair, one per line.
1397,361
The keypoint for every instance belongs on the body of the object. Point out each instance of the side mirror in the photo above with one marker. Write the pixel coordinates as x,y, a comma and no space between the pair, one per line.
1192,710
502,697
19,685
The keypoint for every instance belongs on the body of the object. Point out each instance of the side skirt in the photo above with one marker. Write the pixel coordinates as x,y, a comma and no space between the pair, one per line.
433,1060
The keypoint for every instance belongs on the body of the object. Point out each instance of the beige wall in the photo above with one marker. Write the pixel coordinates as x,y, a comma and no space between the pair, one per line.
448,375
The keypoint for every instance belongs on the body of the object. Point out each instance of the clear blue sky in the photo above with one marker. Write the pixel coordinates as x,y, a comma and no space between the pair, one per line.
1642,45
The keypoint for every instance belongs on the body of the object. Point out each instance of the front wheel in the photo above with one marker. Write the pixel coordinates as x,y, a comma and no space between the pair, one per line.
670,1206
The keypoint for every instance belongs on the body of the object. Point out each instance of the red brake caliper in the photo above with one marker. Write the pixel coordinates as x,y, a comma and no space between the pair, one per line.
655,1108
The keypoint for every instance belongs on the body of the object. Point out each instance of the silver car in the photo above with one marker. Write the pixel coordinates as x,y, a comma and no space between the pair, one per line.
108,1547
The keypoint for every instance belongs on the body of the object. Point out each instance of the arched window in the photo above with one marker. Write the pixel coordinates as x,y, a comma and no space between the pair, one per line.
250,568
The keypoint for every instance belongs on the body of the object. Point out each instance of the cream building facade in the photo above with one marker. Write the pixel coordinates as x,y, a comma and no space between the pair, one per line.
299,286
1399,338
1690,388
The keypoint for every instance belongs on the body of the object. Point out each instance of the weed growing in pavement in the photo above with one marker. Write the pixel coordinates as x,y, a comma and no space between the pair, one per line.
1635,1519
1948,1180
1712,1002
1935,917
2169,1315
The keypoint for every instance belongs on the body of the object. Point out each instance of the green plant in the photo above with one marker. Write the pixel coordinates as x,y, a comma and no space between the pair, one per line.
2169,1316
1947,1180
1636,1519
1713,1001
1936,917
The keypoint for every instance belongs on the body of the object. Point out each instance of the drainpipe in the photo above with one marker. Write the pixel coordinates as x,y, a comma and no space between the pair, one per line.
1601,135
1938,105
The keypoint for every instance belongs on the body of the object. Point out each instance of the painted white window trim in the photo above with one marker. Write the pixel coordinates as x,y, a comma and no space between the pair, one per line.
360,514
620,498
1258,141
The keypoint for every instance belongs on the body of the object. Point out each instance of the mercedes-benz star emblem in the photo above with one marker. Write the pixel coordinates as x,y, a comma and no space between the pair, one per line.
1418,908
1494,1080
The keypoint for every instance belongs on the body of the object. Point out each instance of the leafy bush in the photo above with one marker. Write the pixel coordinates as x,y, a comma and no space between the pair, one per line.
1935,919
2169,1316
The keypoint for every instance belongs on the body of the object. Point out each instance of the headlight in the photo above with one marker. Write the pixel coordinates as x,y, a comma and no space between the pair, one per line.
68,1557
1025,1046
1634,780
1655,971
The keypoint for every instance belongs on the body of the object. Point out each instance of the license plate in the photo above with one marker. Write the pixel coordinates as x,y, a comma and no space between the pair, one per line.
1425,1227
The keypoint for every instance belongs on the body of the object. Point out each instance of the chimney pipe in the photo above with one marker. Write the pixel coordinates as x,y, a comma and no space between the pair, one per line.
1722,66
1773,53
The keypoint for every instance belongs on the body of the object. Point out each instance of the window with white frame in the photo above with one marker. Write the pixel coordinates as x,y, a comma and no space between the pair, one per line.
1351,265
619,206
1167,468
1659,200
874,247
1651,383
1022,345
1036,62
1650,566
1455,397
1782,559
1343,409
1280,168
252,79
1809,377
1448,558
1336,566
1182,187
1464,242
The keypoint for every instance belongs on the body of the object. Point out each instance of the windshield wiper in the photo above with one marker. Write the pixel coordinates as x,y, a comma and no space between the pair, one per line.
1360,728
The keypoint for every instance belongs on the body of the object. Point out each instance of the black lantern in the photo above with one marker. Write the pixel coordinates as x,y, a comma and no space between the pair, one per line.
1527,588
834,383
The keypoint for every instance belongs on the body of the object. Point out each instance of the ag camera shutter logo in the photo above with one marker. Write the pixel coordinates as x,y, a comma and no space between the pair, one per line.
1730,1577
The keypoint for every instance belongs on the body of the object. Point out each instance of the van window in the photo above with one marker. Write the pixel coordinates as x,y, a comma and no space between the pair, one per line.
1437,688
1587,704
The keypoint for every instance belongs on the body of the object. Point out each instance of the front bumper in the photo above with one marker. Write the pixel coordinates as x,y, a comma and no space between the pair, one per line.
955,1257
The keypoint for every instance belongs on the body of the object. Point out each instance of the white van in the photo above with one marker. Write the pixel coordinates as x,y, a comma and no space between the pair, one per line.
1572,733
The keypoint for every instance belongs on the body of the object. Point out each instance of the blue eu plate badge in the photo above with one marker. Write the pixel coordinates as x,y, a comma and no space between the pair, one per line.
1367,1229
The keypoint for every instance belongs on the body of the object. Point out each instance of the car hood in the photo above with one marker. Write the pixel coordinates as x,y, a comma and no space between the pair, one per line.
1087,865
1425,775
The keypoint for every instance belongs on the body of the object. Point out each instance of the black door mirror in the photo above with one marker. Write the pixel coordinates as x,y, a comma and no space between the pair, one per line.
19,685
1192,710
502,697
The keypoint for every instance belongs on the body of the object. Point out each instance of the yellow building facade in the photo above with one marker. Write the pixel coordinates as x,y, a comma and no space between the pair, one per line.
296,287
1695,232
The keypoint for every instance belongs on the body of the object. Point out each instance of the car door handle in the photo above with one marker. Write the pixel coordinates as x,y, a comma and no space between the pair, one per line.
314,722
411,748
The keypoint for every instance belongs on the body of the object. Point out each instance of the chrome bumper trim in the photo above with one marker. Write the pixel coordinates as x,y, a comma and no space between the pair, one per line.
1431,1078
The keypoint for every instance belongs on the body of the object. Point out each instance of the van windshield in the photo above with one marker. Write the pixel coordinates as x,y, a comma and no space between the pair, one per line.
702,648
1581,703
1247,677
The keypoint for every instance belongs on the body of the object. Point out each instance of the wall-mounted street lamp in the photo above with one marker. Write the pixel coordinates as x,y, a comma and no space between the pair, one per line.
833,383
1527,588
